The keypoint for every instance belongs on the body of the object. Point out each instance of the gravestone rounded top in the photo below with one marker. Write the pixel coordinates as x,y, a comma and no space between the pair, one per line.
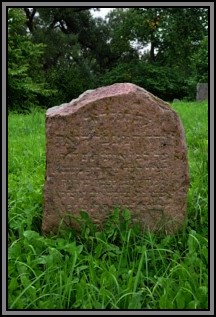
119,89
115,146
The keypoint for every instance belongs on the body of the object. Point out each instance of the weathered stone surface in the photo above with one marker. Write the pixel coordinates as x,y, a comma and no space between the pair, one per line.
202,91
116,146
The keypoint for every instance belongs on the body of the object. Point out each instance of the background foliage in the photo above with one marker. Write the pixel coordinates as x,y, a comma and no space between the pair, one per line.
55,54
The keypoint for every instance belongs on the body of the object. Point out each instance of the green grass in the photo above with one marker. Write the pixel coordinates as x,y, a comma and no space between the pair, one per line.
117,268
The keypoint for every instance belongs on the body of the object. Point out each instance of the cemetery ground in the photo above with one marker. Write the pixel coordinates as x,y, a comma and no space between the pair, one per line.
119,267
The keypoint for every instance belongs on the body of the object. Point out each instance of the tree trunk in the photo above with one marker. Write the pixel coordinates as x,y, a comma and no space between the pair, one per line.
152,55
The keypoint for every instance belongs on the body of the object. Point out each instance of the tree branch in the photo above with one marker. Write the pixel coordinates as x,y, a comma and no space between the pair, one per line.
30,16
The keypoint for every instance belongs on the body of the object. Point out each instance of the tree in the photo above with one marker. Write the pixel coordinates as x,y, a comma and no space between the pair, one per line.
83,51
74,51
24,72
175,37
199,61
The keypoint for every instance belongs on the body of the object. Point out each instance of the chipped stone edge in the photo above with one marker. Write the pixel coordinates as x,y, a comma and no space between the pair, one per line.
161,103
50,110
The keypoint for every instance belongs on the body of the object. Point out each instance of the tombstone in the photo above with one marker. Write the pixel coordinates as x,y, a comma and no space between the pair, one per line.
115,146
202,91
176,100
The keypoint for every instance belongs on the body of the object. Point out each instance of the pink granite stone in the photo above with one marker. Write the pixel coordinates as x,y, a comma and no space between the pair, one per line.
115,146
